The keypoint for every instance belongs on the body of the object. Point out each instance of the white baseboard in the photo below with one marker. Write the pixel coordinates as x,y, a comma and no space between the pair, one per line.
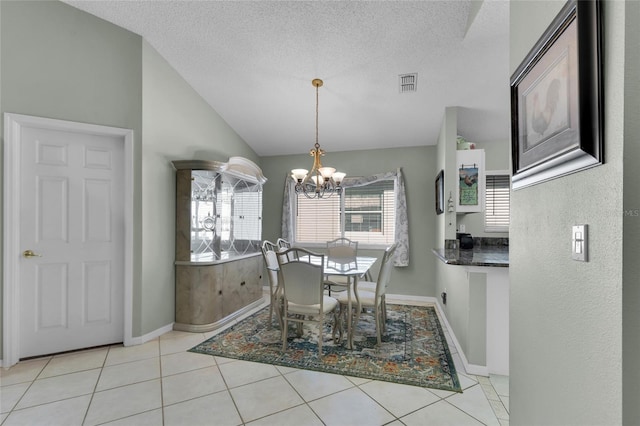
402,298
138,340
149,336
478,370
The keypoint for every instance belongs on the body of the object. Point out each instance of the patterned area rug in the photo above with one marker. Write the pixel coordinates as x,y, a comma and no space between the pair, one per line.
414,350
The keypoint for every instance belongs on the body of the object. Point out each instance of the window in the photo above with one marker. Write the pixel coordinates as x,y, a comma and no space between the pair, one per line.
496,212
363,213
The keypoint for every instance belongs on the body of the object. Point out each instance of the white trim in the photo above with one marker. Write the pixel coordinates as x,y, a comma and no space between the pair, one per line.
478,370
403,299
13,124
11,212
150,336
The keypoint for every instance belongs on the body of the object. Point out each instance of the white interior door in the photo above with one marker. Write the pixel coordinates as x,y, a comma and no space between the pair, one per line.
71,290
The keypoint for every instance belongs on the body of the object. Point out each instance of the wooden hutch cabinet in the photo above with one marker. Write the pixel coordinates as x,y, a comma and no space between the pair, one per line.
218,263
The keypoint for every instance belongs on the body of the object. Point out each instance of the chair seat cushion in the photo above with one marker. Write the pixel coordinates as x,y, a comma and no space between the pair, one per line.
328,305
366,285
367,298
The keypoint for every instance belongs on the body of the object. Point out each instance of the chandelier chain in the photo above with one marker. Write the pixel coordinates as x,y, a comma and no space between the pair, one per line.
317,145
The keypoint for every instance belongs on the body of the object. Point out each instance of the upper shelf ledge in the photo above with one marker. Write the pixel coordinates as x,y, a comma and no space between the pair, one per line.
239,167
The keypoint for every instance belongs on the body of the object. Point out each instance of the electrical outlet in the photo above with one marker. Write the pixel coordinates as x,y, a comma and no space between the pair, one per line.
461,227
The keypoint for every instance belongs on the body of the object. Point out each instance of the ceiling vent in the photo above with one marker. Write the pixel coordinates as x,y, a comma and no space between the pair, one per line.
408,83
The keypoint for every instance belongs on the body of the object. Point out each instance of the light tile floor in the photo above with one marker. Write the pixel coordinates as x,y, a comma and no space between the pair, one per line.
159,383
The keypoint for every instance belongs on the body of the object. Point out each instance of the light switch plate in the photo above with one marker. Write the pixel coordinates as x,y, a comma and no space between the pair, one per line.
579,243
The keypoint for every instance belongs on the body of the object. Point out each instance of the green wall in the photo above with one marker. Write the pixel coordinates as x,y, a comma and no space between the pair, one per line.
631,235
59,62
177,125
566,317
419,171
466,303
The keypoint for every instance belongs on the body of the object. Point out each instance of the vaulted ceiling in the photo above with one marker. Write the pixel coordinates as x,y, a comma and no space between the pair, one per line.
253,62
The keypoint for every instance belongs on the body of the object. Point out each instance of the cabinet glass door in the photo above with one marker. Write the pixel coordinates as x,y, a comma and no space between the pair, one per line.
203,215
247,215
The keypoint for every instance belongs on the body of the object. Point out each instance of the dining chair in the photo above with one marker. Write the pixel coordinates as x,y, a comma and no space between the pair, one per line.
373,294
269,251
340,248
283,245
302,287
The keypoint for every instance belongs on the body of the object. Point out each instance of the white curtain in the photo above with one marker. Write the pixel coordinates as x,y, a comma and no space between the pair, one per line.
402,221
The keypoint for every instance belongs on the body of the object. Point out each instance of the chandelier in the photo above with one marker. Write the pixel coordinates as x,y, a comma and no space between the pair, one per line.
320,182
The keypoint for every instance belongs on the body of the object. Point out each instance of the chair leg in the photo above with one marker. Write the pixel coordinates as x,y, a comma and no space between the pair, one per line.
284,333
377,312
384,310
279,310
336,325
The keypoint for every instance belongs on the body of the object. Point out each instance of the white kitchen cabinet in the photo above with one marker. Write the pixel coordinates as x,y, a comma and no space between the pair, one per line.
470,190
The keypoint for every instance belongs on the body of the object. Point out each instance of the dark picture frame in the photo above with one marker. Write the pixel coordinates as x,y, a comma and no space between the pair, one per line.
440,192
557,99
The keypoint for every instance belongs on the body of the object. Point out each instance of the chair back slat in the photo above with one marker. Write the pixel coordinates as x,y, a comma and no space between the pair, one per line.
269,250
342,247
285,245
385,270
301,278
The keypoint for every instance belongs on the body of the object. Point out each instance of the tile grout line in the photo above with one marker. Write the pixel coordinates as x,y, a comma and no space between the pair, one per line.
95,387
32,381
226,385
161,380
304,401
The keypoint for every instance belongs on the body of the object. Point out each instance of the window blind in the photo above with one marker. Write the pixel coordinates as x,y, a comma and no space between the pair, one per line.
497,203
247,209
317,220
365,214
370,213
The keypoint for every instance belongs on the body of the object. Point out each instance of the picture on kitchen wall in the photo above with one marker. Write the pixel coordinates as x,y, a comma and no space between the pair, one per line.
468,177
556,99
440,192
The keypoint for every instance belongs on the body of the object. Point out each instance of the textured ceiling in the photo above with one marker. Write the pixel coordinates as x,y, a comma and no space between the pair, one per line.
253,62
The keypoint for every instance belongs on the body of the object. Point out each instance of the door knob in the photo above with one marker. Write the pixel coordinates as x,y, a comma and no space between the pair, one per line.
30,253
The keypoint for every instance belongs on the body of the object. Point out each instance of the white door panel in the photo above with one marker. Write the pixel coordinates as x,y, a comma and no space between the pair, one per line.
72,215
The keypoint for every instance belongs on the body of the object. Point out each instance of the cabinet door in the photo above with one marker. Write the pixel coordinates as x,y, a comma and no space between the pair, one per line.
198,294
241,284
247,216
470,190
203,215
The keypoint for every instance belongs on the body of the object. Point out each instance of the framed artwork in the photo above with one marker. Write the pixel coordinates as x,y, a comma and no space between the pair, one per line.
440,192
556,99
468,181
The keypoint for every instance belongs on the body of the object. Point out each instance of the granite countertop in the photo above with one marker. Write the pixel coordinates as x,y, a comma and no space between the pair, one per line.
493,256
